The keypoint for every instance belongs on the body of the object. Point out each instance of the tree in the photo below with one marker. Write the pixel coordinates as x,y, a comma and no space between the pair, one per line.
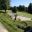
4,4
14,9
30,8
21,8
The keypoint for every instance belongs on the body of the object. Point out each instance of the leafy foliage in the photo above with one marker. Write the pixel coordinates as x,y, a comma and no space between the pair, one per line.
30,8
4,4
14,9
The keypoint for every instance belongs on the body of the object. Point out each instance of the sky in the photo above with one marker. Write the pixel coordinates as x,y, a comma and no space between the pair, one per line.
20,2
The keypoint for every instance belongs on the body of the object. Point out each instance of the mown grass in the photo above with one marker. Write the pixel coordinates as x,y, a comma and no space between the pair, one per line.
10,25
24,14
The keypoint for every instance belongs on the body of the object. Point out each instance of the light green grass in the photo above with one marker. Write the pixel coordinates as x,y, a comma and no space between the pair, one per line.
10,25
24,14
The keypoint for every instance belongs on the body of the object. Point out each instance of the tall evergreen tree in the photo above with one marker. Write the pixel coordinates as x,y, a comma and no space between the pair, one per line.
30,8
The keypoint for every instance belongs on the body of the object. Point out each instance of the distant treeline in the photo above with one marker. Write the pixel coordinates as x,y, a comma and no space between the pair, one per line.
22,8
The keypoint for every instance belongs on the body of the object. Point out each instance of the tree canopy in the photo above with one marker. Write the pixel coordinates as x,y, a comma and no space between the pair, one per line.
30,8
4,5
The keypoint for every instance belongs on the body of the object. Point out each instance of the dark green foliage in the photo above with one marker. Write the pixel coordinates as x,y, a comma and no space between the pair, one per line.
21,8
14,9
4,4
30,8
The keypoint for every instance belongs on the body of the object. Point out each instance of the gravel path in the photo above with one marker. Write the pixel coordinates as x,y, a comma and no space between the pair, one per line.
2,28
22,18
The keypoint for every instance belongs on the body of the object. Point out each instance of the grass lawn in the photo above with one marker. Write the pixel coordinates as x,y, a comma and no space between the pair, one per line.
24,14
10,25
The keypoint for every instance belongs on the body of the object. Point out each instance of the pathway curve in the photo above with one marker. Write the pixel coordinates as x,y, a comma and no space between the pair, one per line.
2,28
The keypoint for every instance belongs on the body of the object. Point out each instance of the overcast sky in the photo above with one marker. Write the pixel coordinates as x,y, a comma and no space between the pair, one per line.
20,2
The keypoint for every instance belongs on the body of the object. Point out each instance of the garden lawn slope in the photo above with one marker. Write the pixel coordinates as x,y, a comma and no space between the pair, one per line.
10,25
